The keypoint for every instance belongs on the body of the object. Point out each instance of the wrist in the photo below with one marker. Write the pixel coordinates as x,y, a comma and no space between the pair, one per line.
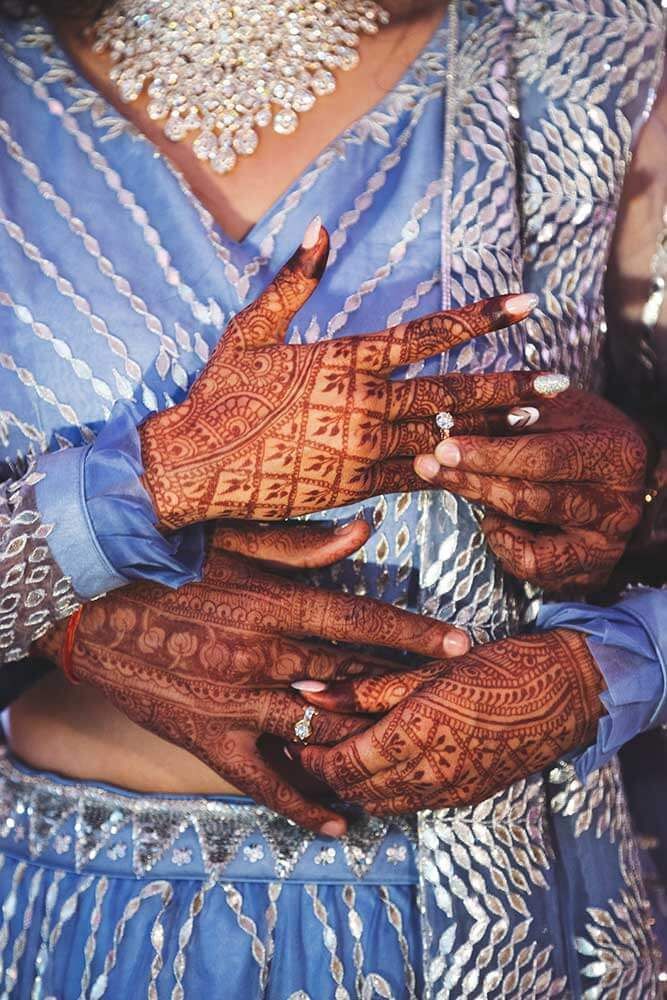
157,478
49,645
589,681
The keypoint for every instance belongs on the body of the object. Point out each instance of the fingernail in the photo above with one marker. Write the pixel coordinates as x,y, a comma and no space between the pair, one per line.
313,686
427,467
344,529
448,453
523,416
551,385
518,305
311,234
333,828
456,643
288,753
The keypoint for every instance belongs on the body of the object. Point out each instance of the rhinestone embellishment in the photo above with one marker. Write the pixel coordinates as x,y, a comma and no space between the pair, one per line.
303,729
224,70
444,421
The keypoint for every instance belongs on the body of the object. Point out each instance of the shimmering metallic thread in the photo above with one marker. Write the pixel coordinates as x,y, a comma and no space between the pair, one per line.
524,78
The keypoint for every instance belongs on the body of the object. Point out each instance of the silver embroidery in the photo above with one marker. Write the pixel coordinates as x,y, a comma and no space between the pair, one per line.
27,608
100,815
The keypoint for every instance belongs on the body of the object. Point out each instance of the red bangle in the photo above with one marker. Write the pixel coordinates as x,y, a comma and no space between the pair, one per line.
68,646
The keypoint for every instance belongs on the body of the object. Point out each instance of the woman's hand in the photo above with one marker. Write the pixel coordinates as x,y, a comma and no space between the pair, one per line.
271,430
566,494
208,667
455,733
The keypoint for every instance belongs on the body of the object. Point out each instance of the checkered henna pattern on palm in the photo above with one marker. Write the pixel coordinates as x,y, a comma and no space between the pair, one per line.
271,430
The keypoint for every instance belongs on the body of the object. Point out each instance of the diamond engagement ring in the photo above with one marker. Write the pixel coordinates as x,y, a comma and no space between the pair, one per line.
303,729
444,421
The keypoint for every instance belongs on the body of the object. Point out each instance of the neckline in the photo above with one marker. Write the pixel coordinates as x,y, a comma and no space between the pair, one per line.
388,111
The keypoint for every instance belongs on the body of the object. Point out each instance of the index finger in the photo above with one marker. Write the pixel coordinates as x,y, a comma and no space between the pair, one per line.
430,335
365,621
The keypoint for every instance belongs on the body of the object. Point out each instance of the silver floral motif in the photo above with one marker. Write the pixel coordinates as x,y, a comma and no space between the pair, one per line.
117,851
396,854
181,856
326,856
62,843
253,853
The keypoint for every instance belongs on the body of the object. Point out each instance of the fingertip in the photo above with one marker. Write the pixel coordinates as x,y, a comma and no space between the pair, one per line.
334,827
522,416
551,384
456,643
355,532
448,453
309,687
519,306
313,253
312,233
427,466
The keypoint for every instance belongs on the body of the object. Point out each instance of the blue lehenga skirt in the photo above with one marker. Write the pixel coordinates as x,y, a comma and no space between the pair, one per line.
107,893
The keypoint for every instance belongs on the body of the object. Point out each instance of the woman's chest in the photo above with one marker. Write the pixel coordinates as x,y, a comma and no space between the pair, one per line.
116,282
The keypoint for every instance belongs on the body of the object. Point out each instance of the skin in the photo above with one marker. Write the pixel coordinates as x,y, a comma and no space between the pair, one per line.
271,430
208,667
242,198
562,497
452,734
78,731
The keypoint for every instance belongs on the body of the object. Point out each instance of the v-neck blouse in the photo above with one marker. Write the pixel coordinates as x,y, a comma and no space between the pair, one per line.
115,284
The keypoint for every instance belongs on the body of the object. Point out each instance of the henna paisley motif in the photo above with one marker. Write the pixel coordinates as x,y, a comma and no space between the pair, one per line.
271,430
578,474
454,734
209,667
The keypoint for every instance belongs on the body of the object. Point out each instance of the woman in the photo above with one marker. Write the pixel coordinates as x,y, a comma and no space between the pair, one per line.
225,885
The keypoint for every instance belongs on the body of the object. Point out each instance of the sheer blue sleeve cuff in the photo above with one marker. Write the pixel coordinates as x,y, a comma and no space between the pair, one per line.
629,643
104,531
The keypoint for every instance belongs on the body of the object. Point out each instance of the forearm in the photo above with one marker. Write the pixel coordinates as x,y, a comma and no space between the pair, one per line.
75,525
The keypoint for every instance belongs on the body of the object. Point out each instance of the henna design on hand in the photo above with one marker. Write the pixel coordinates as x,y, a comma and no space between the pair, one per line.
580,472
456,733
271,430
208,667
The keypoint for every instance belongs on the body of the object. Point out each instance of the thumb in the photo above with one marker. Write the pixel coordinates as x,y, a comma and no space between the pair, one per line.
265,321
291,546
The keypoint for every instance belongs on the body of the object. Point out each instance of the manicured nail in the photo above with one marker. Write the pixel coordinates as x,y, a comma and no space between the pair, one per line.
519,305
288,753
333,828
523,416
427,467
312,233
551,385
313,686
344,529
456,643
448,453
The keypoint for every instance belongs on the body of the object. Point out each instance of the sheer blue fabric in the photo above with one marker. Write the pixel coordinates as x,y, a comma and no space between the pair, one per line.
481,172
629,643
104,533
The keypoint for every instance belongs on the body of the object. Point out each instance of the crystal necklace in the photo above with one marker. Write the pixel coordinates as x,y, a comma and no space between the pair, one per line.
226,68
